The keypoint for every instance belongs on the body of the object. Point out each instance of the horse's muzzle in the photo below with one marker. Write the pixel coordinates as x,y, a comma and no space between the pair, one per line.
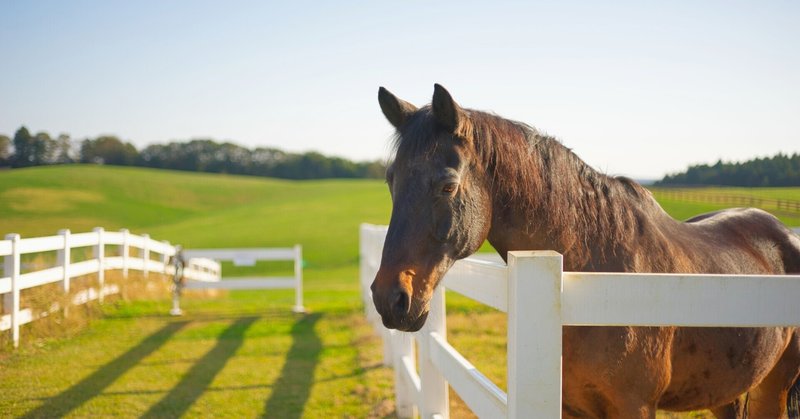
395,305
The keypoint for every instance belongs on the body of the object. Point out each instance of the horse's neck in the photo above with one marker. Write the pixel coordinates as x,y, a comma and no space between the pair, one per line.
573,209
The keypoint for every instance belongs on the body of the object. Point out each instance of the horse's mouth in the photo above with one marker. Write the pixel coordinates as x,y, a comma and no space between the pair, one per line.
407,324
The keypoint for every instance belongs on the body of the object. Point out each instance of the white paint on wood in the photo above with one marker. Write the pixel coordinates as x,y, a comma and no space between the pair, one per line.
480,280
24,316
83,239
243,284
534,334
5,247
435,397
268,254
40,277
40,244
680,300
13,247
204,266
482,396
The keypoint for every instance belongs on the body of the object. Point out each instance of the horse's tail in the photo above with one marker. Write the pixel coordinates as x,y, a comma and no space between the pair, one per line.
793,403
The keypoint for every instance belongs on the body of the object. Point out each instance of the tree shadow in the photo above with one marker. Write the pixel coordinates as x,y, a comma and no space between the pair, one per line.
94,384
199,377
291,390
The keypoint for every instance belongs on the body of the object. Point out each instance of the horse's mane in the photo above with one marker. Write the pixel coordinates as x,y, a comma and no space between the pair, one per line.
535,173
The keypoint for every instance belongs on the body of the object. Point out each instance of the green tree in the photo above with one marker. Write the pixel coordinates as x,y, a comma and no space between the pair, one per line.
23,148
64,152
5,150
108,150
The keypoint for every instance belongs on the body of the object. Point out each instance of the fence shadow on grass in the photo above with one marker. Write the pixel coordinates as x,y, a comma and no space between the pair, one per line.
94,384
198,378
291,390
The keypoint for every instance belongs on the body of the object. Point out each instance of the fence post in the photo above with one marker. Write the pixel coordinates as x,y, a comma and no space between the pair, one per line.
146,254
403,346
99,253
125,251
64,259
534,334
434,400
11,300
177,282
298,280
165,257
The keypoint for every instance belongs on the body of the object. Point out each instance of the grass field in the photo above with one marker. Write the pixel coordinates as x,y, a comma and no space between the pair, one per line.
239,354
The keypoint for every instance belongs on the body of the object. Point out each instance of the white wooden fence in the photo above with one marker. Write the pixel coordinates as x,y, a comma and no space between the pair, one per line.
151,256
249,257
540,298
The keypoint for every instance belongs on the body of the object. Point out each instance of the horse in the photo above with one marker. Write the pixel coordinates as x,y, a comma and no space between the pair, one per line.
461,176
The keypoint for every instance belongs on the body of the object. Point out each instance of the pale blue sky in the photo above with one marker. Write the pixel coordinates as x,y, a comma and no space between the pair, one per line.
640,88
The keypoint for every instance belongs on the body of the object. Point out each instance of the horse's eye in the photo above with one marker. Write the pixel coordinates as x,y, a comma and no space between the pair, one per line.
450,188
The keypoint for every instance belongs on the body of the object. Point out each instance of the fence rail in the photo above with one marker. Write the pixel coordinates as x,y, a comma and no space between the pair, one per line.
14,280
784,206
540,298
248,257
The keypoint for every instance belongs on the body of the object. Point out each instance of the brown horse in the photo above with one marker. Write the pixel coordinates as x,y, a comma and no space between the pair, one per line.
461,176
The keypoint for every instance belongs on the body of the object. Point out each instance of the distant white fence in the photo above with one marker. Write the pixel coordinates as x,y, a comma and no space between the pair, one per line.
151,256
249,257
540,298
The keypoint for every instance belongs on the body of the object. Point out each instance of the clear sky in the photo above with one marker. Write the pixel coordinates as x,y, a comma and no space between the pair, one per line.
639,89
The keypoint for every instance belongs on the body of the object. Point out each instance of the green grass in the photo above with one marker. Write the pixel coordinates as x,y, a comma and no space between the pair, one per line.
239,354
681,209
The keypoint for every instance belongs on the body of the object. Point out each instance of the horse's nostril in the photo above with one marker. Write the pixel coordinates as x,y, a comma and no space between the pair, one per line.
400,301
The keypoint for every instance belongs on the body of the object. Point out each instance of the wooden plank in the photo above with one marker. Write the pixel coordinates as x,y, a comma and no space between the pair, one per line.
91,294
204,263
5,247
680,300
411,378
482,396
40,244
113,262
24,316
136,241
85,267
269,254
534,334
41,277
83,239
161,248
244,284
155,266
136,264
113,238
481,280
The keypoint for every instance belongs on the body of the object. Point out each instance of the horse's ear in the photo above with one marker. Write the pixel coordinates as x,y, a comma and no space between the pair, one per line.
395,110
446,110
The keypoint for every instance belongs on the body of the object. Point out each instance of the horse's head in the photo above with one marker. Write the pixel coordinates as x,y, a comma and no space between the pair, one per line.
440,210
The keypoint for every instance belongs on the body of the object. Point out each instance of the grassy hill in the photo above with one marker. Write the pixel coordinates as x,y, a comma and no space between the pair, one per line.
194,209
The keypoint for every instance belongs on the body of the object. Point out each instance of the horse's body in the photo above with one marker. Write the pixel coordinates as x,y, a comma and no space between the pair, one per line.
463,176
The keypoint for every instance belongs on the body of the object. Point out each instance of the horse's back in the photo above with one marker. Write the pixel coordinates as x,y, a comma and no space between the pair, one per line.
756,241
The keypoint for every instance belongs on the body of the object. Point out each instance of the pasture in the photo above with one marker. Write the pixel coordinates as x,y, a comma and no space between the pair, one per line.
239,354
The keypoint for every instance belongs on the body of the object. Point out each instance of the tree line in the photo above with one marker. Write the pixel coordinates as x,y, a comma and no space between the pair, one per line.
779,170
198,155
